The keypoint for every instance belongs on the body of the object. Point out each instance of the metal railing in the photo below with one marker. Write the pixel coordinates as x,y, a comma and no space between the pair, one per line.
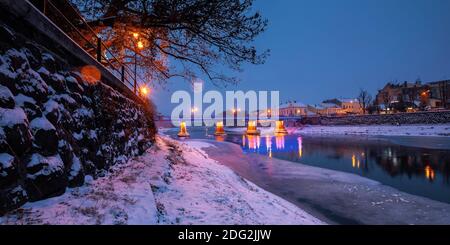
94,45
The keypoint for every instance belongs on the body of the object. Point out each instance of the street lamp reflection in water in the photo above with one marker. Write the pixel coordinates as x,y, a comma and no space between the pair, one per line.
300,147
254,142
429,173
279,142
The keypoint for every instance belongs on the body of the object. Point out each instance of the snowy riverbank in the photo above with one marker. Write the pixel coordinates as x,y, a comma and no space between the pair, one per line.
378,130
172,183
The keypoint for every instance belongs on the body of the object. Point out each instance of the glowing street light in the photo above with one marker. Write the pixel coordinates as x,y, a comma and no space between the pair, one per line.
140,45
135,35
280,129
144,90
252,129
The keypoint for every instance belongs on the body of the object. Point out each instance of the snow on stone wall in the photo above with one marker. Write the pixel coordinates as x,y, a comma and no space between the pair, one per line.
441,117
56,127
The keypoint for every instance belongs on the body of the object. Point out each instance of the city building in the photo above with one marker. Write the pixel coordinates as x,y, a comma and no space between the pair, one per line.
293,108
343,106
413,96
326,109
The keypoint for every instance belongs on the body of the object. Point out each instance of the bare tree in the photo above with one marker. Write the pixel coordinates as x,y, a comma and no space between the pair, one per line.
364,99
181,38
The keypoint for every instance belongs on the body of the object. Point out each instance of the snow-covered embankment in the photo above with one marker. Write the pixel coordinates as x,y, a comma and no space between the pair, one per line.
172,183
378,130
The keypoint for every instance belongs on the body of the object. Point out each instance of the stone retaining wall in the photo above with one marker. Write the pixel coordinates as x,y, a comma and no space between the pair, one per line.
58,125
393,119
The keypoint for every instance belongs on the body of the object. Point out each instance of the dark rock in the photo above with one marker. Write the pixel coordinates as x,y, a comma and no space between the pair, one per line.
57,82
31,84
45,75
4,146
32,60
11,198
18,59
76,173
8,170
32,110
45,177
45,135
66,100
15,126
65,152
49,62
6,98
52,112
143,145
73,85
87,101
7,76
29,105
77,97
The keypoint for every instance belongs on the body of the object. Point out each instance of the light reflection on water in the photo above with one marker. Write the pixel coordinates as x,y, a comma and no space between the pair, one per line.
419,171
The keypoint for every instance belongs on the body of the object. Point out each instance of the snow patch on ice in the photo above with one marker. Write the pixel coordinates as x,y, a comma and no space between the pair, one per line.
200,144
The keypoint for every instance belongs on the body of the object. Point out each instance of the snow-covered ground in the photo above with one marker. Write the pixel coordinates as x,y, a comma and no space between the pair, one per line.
378,130
172,183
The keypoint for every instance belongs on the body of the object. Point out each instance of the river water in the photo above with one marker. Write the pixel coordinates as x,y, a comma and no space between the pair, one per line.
347,179
418,170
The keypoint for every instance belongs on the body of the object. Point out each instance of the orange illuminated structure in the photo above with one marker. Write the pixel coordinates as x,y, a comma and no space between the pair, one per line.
219,129
279,128
183,131
251,128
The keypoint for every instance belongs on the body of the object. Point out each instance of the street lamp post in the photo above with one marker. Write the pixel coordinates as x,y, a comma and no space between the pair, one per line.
137,46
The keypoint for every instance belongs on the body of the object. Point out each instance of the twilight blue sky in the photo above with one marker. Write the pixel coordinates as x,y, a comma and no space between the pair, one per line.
331,48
